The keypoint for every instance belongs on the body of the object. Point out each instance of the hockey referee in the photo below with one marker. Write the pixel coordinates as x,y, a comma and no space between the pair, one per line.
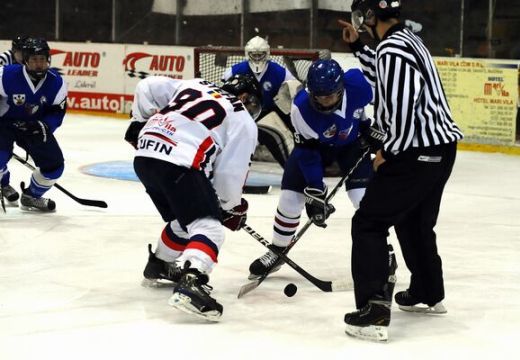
417,152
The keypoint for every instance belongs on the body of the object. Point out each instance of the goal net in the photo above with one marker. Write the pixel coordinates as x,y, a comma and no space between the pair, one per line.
212,61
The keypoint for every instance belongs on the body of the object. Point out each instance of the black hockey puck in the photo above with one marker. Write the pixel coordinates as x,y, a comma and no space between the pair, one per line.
290,290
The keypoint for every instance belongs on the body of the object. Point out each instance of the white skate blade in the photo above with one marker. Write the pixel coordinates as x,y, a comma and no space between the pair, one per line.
425,309
183,303
370,333
157,283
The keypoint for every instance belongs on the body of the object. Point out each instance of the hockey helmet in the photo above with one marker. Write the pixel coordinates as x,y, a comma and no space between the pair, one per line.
18,42
325,85
32,47
257,53
364,10
247,89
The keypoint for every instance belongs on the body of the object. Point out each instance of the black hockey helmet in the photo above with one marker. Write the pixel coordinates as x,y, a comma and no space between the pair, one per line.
18,42
36,46
381,9
240,84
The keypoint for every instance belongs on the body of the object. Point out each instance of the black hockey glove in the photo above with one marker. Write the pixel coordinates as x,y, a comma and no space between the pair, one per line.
132,133
235,218
318,210
371,135
32,131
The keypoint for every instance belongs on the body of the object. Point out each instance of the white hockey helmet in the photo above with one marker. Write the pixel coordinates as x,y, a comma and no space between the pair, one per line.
257,53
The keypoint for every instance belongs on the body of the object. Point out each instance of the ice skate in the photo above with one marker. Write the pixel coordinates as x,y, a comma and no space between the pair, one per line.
29,202
407,302
159,273
10,195
260,266
192,295
370,322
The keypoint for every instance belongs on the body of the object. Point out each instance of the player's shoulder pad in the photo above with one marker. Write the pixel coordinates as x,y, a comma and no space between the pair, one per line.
302,98
357,87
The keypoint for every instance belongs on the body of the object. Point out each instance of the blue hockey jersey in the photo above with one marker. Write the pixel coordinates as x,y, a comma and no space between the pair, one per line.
270,80
335,129
20,99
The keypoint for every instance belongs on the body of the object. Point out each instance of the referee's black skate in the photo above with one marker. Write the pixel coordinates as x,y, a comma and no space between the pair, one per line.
370,322
260,266
192,295
407,302
29,202
159,273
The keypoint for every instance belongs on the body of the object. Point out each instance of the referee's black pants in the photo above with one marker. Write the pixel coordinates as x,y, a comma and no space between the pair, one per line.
405,193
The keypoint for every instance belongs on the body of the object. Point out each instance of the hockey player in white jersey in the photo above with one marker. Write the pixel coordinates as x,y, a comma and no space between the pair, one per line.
274,126
193,157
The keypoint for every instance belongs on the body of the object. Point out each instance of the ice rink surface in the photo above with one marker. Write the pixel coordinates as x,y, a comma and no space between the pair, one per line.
70,281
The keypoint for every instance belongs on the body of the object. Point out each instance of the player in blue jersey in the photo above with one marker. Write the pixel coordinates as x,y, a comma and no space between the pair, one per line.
327,117
274,127
32,106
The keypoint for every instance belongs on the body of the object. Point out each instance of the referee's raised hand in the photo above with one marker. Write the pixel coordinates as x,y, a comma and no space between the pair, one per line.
350,34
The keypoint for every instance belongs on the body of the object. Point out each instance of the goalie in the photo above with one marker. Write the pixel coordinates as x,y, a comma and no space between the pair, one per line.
274,124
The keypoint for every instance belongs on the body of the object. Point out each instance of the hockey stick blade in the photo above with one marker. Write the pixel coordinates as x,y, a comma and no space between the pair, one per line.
326,286
86,202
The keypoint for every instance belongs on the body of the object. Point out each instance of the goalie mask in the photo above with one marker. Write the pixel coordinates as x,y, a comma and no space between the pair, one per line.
325,85
247,89
36,57
366,12
257,53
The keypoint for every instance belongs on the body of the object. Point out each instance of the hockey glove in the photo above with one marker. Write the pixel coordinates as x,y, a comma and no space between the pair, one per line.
235,218
318,210
32,131
371,135
132,133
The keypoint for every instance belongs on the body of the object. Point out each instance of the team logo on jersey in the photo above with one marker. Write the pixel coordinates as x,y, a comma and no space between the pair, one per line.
215,94
343,134
31,108
330,132
267,86
19,99
357,113
43,100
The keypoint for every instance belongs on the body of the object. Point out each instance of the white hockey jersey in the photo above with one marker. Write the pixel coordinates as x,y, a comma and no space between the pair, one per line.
202,127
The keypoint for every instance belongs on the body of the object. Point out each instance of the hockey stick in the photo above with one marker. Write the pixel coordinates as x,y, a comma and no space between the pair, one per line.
257,189
86,202
326,286
255,283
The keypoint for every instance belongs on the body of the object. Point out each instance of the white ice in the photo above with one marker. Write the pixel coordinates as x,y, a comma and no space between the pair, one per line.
70,281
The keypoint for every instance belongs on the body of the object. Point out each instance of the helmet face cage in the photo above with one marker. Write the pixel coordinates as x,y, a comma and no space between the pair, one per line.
257,52
36,46
325,78
245,87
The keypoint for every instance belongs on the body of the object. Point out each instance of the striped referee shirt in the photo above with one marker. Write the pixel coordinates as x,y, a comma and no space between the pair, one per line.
7,58
410,104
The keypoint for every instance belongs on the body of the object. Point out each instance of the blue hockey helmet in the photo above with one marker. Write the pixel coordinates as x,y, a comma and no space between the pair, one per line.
325,85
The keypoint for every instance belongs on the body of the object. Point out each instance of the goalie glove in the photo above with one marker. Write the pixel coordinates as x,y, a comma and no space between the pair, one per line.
132,133
33,131
236,217
318,210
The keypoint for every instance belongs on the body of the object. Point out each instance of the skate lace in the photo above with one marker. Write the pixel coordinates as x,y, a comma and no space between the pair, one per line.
268,259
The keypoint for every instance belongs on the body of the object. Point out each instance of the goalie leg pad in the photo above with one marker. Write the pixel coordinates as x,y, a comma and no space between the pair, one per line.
274,134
